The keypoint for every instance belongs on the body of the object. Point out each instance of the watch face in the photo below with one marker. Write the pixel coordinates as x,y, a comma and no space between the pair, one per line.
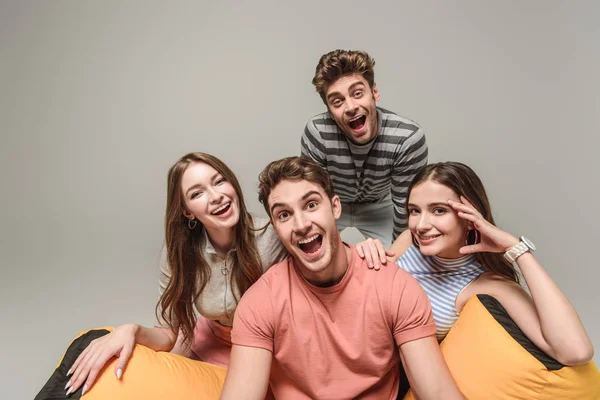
528,242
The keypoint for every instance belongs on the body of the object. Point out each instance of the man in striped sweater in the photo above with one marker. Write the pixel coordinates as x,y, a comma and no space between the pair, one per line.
370,153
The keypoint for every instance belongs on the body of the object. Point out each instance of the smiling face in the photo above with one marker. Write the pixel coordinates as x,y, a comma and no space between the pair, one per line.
433,223
304,218
209,197
351,102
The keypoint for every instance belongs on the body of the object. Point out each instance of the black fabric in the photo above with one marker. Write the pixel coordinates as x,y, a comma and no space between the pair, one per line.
54,389
404,383
501,316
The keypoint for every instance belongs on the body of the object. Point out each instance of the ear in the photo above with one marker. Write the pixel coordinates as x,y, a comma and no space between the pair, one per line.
375,92
336,206
188,214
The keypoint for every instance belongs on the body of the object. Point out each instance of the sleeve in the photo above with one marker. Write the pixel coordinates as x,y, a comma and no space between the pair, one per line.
253,324
311,146
411,157
410,309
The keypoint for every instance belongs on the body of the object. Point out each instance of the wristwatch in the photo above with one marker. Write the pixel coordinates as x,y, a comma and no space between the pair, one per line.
519,249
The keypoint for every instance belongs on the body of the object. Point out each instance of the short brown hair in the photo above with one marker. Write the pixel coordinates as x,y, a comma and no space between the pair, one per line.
292,169
338,63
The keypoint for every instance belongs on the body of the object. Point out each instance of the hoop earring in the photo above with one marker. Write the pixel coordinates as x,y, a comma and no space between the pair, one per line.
415,243
472,237
192,223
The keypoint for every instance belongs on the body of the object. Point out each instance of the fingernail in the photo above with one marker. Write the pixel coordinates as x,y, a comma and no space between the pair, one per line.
69,372
69,391
67,385
84,389
119,373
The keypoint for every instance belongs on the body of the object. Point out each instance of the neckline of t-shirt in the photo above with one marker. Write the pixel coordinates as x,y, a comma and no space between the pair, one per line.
329,289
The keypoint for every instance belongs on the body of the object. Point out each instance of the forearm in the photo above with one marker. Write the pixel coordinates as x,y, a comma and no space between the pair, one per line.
157,338
561,327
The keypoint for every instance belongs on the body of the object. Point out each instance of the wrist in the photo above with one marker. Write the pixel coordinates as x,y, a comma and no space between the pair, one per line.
513,242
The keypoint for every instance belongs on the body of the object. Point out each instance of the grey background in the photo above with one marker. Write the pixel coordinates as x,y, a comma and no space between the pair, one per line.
98,99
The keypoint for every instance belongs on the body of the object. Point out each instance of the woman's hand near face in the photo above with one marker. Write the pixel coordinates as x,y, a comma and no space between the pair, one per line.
493,239
373,252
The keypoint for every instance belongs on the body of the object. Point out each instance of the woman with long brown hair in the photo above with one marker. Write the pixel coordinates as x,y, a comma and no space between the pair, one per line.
454,249
215,250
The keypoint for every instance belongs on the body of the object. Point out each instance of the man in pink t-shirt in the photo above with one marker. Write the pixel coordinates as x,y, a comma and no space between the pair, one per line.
319,325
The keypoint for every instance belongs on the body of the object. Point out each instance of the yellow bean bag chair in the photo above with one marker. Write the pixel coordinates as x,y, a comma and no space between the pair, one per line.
490,358
149,375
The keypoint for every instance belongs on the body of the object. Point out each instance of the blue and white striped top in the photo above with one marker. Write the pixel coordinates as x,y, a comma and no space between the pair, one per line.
443,279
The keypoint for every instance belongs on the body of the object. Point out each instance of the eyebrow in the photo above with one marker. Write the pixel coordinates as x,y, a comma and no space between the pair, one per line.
437,204
198,186
306,195
330,95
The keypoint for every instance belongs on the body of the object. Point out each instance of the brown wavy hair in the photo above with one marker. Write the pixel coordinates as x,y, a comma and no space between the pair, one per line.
292,169
338,63
189,270
465,182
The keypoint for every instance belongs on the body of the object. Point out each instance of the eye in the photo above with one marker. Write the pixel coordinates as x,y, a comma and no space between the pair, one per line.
413,211
358,93
196,194
220,181
336,102
439,211
282,216
312,205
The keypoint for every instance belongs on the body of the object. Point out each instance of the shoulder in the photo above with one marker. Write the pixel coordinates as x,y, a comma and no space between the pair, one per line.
401,245
319,123
504,290
396,125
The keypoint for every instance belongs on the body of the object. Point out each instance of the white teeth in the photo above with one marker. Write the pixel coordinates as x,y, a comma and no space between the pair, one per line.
308,239
429,237
355,118
224,206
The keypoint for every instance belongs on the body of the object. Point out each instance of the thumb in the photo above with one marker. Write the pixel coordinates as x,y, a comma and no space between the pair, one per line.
122,360
390,253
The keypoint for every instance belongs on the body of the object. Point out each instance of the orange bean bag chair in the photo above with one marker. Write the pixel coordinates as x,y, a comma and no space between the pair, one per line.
491,358
149,375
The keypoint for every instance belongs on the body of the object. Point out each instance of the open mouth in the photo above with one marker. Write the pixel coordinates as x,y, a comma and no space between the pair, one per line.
311,244
222,210
357,123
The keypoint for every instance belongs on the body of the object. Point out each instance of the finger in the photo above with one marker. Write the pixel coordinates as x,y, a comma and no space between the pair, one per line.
390,253
96,368
381,251
82,356
123,359
474,248
82,366
95,365
368,253
81,374
462,207
360,251
467,216
374,254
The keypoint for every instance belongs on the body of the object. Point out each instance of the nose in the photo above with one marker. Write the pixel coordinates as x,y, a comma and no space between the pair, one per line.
351,106
215,196
301,224
423,223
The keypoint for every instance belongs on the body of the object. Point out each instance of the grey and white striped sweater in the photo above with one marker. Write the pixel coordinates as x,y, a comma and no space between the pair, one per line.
398,151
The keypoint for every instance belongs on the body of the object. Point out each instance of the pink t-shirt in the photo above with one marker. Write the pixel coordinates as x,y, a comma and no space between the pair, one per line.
338,342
